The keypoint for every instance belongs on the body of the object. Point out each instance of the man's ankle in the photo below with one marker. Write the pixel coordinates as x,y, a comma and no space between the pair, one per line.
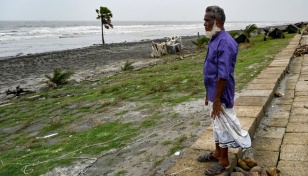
224,163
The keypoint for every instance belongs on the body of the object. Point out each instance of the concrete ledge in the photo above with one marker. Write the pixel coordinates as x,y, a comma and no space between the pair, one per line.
257,93
205,141
302,110
293,168
290,148
272,132
298,118
267,144
251,101
266,158
264,81
249,111
262,87
295,139
294,156
297,128
281,122
249,124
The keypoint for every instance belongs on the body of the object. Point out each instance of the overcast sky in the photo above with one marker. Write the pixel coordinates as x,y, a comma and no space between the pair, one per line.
153,10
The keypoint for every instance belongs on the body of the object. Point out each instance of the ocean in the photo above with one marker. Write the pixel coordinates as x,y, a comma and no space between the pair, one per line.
19,38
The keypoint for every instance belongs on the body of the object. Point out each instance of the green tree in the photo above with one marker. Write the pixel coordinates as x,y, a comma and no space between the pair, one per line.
105,15
249,29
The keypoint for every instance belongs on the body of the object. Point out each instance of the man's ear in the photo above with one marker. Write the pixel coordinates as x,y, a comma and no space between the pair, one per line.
219,23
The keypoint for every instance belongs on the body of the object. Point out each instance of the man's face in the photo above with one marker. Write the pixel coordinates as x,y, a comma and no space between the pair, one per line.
208,21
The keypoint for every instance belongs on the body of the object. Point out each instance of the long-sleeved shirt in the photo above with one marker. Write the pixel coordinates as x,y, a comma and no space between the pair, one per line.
220,62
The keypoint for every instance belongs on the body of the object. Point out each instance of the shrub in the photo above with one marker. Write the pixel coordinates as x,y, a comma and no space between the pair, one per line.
58,78
127,66
201,42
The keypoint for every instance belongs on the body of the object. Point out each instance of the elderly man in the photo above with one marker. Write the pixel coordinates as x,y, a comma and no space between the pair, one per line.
219,82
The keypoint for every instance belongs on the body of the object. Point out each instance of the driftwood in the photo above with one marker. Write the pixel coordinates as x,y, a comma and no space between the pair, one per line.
171,46
17,92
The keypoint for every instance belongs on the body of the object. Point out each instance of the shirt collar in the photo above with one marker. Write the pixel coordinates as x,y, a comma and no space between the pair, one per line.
217,34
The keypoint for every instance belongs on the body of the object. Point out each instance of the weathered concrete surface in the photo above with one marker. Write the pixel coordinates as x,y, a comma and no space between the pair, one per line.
267,144
293,138
298,118
281,115
272,132
249,111
261,86
297,128
281,122
293,168
249,124
251,101
257,93
266,158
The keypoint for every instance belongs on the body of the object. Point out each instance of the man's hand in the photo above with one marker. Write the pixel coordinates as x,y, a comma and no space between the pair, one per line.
206,101
221,84
217,108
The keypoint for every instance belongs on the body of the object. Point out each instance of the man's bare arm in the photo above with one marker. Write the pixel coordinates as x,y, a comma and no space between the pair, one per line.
221,84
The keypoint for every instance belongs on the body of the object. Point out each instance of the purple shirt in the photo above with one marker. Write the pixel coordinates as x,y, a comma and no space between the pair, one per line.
220,62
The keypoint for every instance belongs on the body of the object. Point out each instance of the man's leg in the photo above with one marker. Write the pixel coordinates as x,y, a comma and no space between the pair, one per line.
223,163
224,160
217,154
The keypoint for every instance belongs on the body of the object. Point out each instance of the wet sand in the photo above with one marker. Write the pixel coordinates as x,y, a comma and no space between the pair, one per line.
28,71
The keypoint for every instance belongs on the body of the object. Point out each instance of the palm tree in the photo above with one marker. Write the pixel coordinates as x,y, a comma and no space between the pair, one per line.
105,15
249,29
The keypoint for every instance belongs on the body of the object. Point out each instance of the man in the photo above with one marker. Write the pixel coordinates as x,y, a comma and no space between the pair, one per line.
219,82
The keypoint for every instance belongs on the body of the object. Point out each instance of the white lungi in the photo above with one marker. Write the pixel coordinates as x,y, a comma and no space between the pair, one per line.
227,130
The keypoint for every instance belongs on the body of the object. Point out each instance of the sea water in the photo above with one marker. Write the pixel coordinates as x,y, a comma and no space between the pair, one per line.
19,38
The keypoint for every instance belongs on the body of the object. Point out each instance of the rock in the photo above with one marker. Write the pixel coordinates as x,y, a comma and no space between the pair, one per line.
243,165
254,174
238,169
256,169
278,94
272,171
250,162
237,174
263,173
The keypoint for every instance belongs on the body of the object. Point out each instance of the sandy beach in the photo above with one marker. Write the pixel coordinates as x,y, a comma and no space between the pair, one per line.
97,60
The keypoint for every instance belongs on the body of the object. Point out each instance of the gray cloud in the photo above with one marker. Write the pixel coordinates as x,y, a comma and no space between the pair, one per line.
153,10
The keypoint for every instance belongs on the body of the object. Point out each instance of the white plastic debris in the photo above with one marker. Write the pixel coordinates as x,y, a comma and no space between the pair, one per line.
47,136
177,153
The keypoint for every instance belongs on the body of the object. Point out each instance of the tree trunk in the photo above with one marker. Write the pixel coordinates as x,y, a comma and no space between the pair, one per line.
102,31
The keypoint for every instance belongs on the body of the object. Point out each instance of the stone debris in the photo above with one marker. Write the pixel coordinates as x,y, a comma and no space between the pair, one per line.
300,51
278,94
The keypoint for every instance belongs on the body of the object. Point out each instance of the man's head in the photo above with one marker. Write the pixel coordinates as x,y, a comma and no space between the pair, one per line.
214,20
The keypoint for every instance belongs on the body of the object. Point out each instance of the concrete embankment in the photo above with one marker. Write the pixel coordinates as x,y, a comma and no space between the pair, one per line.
282,137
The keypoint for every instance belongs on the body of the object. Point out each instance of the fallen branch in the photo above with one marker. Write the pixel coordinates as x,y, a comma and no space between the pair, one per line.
17,92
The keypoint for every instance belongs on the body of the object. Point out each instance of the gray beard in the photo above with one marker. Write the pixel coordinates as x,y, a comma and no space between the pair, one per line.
211,33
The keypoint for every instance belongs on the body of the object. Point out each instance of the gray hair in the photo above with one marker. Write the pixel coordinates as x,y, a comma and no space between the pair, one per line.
217,13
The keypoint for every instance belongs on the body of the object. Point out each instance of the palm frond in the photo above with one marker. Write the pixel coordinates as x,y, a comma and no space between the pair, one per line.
249,29
58,77
201,42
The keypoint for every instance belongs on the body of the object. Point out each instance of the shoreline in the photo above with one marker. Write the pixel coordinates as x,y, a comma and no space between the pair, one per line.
28,71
